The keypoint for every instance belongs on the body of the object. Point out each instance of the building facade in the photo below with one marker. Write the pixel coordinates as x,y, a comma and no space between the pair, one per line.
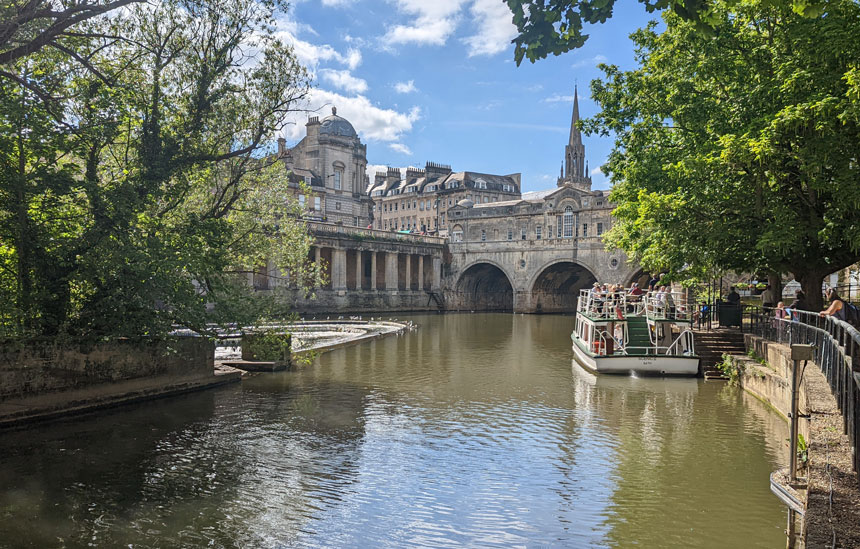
332,161
419,199
570,211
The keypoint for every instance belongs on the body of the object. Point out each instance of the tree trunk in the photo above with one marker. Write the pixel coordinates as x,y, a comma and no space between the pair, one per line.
775,282
810,283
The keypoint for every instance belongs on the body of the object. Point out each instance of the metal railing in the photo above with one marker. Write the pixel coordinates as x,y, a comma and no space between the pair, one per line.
335,229
616,305
684,344
837,354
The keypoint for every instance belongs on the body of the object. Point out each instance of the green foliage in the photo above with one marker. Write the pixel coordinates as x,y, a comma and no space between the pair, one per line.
553,27
737,150
136,189
270,345
802,450
730,368
755,356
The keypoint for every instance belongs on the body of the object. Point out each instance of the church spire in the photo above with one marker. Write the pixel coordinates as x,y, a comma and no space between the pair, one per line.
575,135
575,166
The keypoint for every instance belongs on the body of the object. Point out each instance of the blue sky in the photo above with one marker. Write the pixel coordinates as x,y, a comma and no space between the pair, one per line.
435,80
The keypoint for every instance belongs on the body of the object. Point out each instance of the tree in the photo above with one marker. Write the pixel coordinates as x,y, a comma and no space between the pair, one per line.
738,150
136,190
556,26
26,26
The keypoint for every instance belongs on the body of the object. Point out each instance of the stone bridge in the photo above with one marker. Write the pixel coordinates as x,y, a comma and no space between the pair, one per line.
373,271
529,276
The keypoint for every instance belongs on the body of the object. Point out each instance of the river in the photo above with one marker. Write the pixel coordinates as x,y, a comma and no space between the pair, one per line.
474,430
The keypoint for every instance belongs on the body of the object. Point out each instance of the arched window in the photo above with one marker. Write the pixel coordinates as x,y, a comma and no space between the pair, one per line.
457,234
568,222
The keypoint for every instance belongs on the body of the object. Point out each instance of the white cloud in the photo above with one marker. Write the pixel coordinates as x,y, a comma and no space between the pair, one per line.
336,3
495,29
490,105
401,148
344,80
373,168
352,59
405,87
373,123
558,98
433,22
590,62
596,171
311,55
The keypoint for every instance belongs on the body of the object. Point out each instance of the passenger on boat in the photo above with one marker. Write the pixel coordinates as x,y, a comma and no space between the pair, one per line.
669,303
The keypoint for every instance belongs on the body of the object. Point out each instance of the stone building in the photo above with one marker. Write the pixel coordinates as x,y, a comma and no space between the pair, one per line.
419,199
571,211
332,161
534,253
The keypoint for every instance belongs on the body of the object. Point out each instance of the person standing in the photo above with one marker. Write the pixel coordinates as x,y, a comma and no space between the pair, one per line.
837,305
734,298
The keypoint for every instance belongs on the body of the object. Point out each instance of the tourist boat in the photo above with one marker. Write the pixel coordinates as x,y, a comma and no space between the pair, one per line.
643,335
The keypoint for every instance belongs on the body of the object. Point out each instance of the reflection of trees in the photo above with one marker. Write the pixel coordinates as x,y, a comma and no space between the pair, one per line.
685,457
236,466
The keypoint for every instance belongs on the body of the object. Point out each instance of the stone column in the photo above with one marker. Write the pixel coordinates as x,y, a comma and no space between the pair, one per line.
437,273
317,260
408,271
338,269
420,273
359,271
373,270
390,271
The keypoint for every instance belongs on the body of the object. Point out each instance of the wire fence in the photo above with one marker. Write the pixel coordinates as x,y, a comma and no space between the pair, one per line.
837,354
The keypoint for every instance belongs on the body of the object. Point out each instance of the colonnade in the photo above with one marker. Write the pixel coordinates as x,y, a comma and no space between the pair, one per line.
357,269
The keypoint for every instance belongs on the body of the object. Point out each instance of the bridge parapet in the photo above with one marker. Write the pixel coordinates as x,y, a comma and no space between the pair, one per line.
337,230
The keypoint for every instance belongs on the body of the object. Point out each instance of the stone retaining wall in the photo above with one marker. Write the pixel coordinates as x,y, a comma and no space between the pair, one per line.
38,368
833,500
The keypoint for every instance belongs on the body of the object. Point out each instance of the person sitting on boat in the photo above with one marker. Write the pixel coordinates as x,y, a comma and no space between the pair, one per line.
669,303
596,297
660,301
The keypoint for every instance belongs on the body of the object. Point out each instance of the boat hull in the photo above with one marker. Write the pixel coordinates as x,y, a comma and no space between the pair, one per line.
640,365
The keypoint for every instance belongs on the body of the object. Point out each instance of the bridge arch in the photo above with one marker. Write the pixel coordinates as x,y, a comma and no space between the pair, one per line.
555,288
639,276
484,286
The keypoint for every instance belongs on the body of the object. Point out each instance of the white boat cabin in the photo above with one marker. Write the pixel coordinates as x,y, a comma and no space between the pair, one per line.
620,324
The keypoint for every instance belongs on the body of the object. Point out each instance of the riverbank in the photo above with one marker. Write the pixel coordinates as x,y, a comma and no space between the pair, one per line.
49,382
832,497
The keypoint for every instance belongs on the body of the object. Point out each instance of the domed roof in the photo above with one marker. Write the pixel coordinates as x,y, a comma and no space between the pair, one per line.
337,125
466,203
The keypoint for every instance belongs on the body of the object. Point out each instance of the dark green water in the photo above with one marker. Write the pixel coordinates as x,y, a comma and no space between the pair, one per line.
476,430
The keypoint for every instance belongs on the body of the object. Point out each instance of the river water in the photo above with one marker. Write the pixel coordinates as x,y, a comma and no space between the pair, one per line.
475,430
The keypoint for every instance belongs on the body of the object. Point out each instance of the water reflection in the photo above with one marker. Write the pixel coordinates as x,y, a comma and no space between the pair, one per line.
474,430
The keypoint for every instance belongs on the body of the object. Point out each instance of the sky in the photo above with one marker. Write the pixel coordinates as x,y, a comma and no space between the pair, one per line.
435,80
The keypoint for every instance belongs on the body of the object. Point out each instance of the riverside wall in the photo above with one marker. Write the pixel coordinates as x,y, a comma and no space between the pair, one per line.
832,497
41,380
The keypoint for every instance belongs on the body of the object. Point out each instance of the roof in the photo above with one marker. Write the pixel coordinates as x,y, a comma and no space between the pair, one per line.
494,204
537,195
337,125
